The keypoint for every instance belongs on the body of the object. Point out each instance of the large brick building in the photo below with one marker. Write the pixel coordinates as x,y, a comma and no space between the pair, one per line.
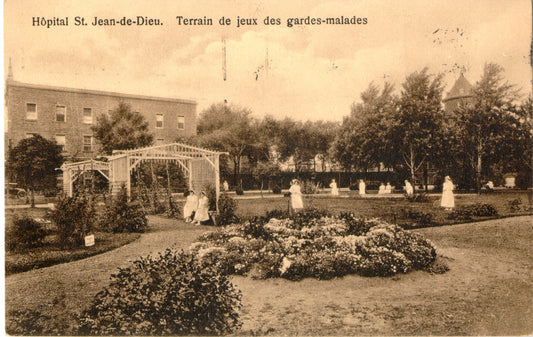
67,115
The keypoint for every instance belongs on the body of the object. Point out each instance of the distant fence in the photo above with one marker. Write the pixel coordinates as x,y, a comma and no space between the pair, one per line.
343,179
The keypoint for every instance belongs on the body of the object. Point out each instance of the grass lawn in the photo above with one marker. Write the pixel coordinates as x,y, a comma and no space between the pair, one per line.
390,209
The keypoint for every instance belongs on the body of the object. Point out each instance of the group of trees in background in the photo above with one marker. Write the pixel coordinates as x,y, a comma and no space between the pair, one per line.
488,135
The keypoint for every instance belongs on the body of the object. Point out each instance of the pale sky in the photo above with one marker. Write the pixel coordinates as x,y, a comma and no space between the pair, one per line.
313,72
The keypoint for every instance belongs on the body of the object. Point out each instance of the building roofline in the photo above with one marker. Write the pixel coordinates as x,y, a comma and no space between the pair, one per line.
98,92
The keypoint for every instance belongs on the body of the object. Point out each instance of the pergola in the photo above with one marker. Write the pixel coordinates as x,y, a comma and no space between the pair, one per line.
201,166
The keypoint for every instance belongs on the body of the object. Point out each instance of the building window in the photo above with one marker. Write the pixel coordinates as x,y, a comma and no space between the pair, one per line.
159,121
181,122
87,115
87,143
61,141
61,113
31,111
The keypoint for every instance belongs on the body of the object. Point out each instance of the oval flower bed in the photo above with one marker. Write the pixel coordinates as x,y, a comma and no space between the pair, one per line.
313,244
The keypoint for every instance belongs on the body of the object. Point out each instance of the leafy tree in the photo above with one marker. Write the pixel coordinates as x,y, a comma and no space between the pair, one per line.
484,128
417,130
363,140
33,162
229,129
294,140
123,129
264,170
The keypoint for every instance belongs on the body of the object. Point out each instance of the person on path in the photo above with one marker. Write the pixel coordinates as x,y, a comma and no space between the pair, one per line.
362,187
191,205
296,196
381,189
448,200
333,186
408,188
225,185
388,188
202,213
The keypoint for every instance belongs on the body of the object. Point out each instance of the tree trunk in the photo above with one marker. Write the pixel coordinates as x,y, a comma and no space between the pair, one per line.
412,166
32,198
478,169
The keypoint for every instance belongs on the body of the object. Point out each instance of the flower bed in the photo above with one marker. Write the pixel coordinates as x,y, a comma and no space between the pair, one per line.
313,244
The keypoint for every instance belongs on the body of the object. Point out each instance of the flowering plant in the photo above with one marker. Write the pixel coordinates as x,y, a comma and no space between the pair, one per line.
315,244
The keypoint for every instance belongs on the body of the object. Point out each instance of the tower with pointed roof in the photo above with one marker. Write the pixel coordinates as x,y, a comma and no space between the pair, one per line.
460,94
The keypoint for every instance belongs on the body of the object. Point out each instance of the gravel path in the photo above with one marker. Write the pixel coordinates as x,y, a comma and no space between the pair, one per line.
70,286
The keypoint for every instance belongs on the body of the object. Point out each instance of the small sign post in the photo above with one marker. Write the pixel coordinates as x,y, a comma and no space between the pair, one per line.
89,240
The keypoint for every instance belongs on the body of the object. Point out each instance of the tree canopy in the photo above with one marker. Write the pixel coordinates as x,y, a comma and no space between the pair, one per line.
123,129
33,162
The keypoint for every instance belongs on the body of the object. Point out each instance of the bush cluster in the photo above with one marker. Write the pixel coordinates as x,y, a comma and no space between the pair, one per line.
24,233
227,206
423,218
74,218
466,212
308,187
514,204
276,189
418,197
29,322
123,216
175,293
313,244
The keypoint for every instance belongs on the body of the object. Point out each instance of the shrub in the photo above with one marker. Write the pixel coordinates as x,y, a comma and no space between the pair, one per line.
172,294
308,187
239,191
276,189
422,218
514,204
467,211
123,216
356,226
25,233
172,209
277,214
418,197
354,187
28,322
226,210
74,219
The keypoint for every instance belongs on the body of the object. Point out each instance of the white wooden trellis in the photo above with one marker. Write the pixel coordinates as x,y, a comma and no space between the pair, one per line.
200,165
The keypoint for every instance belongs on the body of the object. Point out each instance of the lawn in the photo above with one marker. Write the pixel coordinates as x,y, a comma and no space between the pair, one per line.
390,209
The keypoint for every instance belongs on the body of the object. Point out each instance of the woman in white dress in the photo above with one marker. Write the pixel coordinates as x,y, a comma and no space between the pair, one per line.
381,189
202,211
448,200
362,187
408,188
296,196
388,189
334,189
191,204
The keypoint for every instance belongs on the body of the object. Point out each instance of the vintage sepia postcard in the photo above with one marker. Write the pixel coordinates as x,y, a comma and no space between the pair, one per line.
264,167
